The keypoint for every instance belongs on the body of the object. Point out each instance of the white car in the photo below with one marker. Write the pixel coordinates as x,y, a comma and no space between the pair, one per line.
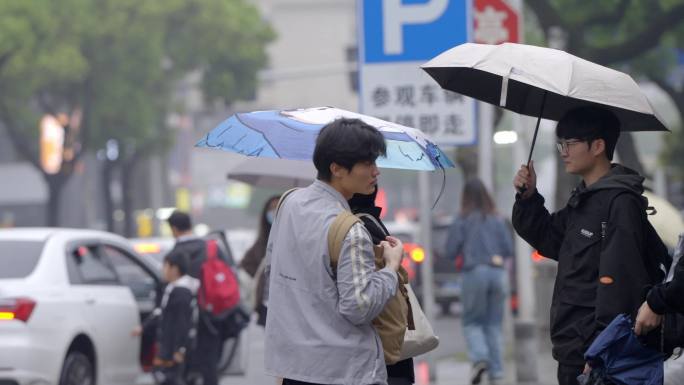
69,300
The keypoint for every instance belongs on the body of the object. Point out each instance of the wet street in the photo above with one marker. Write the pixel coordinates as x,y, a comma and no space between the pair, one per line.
448,328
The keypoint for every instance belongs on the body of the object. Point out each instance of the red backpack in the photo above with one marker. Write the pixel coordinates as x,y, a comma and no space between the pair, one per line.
219,291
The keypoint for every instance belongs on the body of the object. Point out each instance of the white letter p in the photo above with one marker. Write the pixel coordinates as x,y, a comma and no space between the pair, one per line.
396,15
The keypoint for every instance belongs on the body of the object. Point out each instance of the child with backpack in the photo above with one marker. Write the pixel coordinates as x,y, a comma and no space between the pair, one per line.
174,320
218,296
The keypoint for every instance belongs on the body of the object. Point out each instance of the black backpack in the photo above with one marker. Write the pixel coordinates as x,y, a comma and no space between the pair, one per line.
658,262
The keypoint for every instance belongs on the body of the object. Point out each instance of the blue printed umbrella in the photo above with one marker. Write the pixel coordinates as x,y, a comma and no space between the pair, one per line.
617,356
292,134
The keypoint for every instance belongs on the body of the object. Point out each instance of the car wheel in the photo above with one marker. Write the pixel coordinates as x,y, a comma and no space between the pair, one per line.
77,370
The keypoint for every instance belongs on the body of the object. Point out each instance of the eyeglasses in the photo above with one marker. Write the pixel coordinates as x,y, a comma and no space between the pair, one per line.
563,145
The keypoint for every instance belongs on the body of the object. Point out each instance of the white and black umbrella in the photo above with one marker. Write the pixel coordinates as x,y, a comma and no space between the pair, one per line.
541,82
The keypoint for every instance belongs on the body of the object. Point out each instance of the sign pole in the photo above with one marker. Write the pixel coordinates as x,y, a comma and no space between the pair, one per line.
426,272
485,155
395,38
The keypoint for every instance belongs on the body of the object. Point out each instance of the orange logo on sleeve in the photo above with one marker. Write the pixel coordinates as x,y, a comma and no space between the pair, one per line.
606,280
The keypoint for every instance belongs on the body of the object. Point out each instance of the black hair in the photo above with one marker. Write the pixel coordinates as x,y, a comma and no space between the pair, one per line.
178,259
346,142
590,123
256,253
180,221
476,198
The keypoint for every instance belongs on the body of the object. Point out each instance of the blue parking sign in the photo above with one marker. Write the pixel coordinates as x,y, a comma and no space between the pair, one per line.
412,30
395,38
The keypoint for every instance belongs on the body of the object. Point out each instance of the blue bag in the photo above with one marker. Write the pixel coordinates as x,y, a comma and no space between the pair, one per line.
618,357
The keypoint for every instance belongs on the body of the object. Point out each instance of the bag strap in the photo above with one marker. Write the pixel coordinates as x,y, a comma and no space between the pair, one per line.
212,254
282,199
606,212
375,222
337,232
212,249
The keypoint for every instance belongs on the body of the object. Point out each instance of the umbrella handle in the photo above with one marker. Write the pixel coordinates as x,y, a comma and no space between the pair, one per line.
523,188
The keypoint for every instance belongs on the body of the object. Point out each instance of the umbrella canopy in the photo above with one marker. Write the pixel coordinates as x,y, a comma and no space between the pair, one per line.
273,173
522,78
291,134
617,356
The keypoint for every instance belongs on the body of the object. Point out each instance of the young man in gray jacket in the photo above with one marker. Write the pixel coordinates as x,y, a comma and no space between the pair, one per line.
319,324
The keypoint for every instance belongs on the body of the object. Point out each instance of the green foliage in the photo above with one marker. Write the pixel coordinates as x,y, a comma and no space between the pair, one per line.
118,61
592,27
673,153
640,37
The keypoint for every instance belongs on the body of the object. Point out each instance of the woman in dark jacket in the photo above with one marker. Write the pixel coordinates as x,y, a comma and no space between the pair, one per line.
252,260
400,373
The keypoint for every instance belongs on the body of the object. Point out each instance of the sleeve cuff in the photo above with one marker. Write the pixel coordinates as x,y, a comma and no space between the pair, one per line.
534,198
394,276
656,301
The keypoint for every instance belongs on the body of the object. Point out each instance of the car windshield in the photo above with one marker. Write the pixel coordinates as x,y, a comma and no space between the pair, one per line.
19,258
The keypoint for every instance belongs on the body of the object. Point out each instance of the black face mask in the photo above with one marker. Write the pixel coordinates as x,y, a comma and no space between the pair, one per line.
363,201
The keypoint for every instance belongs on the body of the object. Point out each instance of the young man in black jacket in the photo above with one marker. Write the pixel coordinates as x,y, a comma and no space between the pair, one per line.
597,238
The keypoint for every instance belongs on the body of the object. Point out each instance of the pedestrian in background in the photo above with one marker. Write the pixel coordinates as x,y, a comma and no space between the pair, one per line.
363,205
481,237
319,326
597,238
254,257
174,321
204,359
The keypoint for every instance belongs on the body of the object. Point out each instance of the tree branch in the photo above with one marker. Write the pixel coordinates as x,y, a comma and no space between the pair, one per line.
547,15
612,17
640,42
86,117
677,96
18,140
5,58
45,105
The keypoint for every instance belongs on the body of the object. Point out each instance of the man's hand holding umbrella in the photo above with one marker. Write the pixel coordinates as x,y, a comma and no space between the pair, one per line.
525,181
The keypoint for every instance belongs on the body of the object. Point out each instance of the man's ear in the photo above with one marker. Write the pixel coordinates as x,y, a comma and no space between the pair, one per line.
336,170
598,146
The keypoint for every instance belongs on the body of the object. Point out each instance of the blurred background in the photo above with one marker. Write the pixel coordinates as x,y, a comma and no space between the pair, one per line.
101,103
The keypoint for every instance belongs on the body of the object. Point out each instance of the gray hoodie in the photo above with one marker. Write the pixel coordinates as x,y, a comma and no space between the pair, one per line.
319,327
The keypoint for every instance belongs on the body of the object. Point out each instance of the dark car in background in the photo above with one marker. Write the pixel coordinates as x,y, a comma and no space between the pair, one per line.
446,277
